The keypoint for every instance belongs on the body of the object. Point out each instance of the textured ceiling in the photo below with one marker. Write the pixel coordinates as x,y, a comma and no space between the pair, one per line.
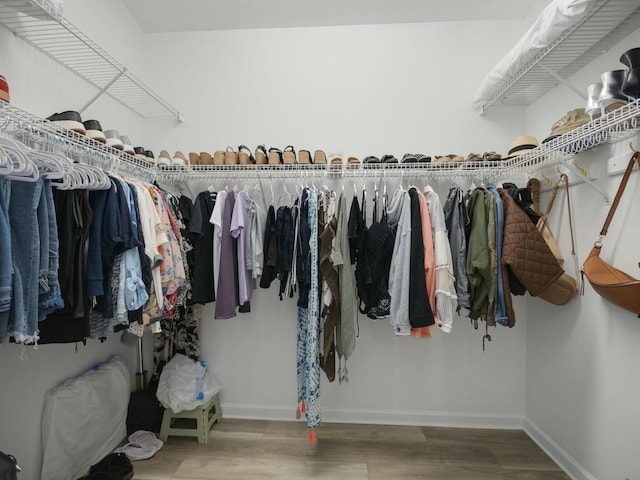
156,16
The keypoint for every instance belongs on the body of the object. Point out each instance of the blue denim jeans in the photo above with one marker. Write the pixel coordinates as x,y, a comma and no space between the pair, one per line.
135,293
6,263
25,246
50,298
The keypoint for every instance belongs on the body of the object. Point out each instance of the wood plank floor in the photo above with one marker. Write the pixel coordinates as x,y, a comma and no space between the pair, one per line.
256,449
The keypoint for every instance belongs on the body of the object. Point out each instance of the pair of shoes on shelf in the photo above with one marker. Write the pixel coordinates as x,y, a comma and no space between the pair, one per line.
111,138
119,142
491,157
338,159
384,159
617,88
275,156
167,161
145,155
220,157
415,158
228,157
606,96
279,157
452,157
202,158
485,157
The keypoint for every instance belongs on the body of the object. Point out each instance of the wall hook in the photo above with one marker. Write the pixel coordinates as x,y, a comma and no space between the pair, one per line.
583,170
632,148
547,180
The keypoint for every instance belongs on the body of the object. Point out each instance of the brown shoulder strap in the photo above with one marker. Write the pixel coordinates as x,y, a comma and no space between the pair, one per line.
625,179
545,215
552,199
565,179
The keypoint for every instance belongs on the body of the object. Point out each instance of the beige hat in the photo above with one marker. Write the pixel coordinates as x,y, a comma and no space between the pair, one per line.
521,145
570,121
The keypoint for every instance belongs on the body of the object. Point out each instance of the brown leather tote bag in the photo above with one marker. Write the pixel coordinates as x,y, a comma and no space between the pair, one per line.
612,284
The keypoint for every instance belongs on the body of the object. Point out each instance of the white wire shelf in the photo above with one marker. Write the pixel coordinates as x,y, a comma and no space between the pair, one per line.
616,126
39,24
51,137
328,171
608,22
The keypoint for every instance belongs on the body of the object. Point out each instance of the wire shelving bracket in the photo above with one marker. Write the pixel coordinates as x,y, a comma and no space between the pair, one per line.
604,25
42,26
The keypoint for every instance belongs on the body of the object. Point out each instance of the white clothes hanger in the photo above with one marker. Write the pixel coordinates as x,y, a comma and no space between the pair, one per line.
6,166
20,163
23,168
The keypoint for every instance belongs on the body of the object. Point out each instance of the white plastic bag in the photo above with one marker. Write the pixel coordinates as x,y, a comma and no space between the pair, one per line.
185,384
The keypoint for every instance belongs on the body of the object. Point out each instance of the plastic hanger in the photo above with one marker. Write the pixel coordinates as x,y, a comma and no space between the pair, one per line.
20,163
6,166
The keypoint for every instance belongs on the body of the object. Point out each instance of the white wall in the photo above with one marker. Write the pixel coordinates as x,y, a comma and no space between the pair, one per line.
582,391
42,87
360,90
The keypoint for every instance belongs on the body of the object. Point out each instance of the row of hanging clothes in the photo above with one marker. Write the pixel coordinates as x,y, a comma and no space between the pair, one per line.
87,253
322,245
413,260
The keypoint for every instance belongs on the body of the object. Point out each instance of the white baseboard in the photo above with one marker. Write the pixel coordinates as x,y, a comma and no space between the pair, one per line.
380,417
569,464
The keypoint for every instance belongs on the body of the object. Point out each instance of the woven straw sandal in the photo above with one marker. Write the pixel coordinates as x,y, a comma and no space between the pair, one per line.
304,157
261,155
275,156
245,157
230,156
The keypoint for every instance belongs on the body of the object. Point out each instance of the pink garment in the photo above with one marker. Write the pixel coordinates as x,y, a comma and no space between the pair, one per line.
429,253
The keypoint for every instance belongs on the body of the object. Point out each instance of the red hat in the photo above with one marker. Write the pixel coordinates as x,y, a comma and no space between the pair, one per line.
4,89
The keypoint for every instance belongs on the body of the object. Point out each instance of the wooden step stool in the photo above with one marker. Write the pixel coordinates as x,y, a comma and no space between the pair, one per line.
191,423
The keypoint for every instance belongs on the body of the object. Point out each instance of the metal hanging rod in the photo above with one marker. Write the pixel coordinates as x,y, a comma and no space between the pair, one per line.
331,172
39,24
616,126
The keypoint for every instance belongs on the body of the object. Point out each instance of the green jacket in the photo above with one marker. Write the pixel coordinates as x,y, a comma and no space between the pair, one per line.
480,266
